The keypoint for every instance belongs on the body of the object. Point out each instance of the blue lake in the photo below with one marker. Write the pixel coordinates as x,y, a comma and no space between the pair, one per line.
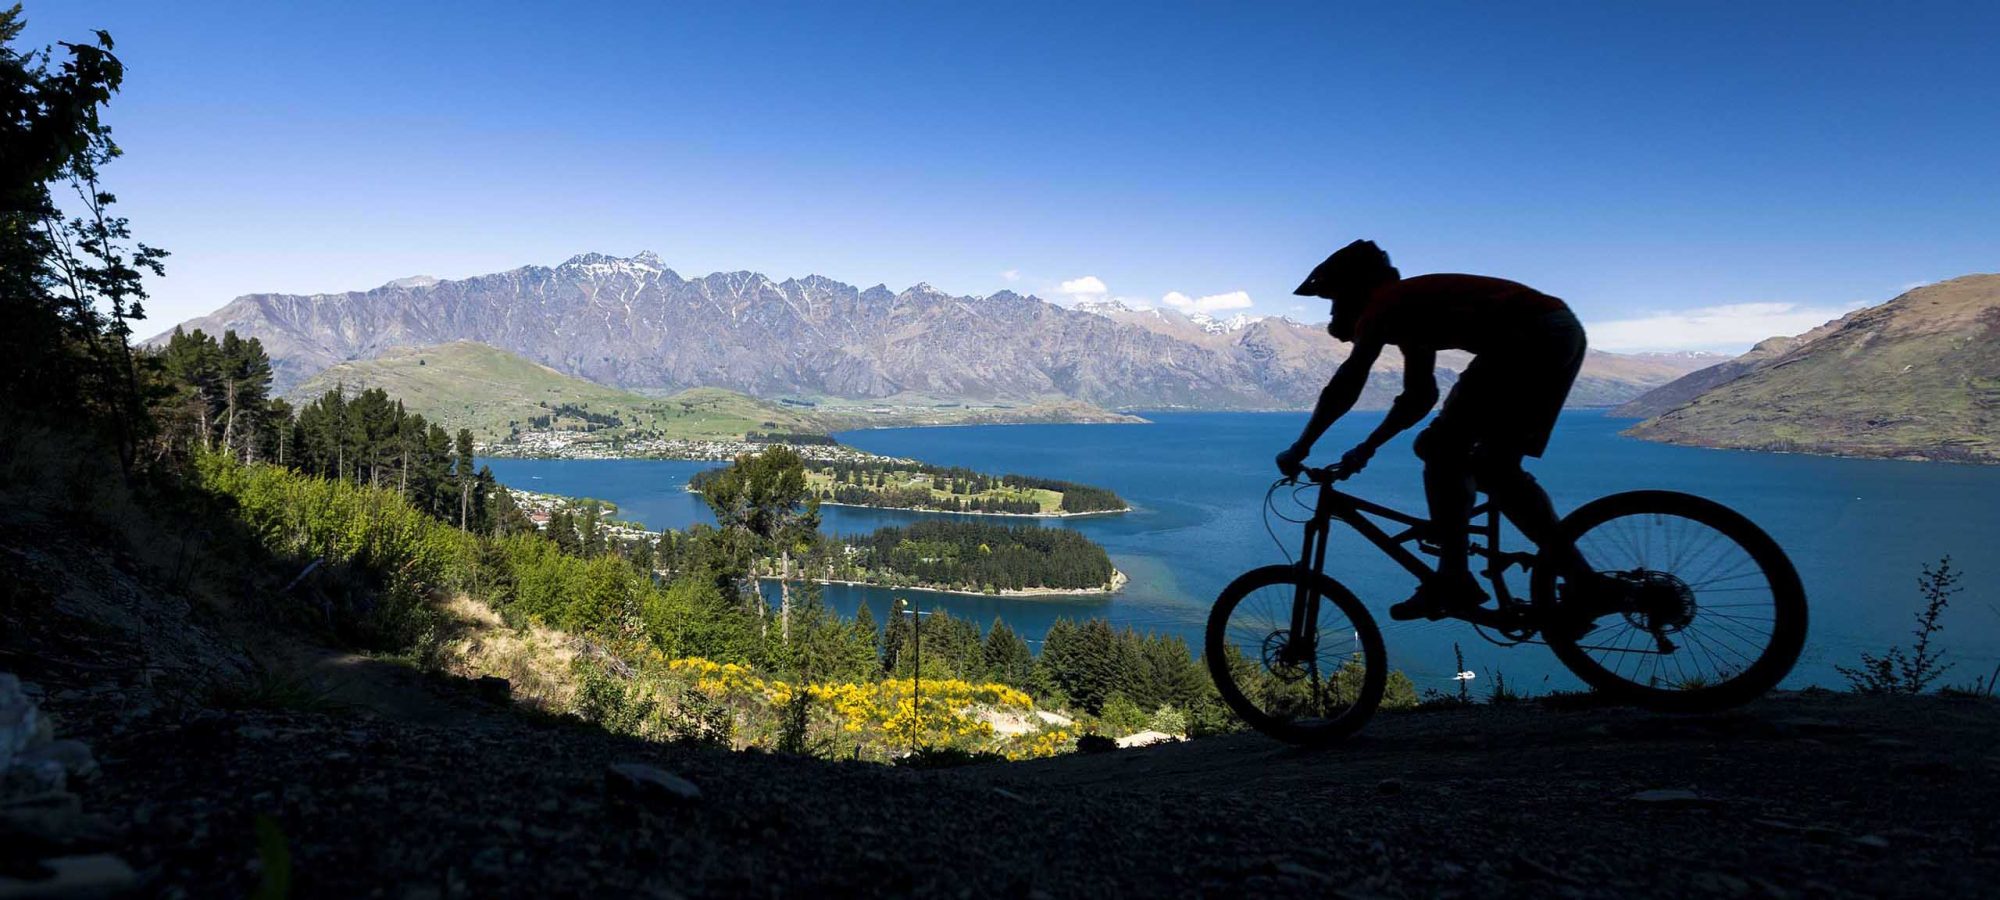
1858,530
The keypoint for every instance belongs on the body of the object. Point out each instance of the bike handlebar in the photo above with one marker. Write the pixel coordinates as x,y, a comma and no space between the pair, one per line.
1325,474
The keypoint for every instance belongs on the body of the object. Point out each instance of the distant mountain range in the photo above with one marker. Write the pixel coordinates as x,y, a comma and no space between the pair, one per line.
635,324
1916,377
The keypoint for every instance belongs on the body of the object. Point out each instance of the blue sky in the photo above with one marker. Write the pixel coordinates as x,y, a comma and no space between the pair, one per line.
1685,174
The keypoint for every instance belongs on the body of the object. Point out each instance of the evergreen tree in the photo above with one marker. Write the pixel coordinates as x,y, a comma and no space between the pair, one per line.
562,530
898,638
1006,656
245,382
640,553
1088,663
868,659
590,536
192,366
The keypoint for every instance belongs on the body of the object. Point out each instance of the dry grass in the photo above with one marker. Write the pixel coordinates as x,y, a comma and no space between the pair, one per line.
535,660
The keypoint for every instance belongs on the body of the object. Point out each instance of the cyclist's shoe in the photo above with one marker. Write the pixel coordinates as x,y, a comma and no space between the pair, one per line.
1440,596
1584,601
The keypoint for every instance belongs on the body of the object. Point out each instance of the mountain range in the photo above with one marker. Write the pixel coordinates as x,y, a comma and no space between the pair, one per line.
1916,377
634,323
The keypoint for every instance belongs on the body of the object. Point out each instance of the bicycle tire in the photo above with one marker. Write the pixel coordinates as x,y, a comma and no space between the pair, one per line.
1373,658
1788,606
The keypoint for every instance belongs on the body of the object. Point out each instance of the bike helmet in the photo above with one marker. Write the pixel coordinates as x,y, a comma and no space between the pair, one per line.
1360,264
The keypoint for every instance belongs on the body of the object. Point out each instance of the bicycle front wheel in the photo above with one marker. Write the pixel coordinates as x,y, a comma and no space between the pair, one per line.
1311,688
1712,613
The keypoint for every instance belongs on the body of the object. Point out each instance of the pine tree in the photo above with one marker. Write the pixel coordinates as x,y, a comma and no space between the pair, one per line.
562,530
865,634
1006,656
245,374
590,535
898,639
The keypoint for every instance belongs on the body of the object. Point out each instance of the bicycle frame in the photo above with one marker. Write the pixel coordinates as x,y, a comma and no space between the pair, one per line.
1510,614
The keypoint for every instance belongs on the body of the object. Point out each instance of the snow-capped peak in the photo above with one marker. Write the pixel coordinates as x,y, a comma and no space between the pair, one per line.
603,264
1213,325
1101,307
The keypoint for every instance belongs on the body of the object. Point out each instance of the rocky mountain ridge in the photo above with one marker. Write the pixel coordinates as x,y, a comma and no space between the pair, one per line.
634,323
1916,377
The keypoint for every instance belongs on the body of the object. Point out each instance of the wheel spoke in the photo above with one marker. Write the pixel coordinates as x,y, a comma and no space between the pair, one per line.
1297,684
1673,564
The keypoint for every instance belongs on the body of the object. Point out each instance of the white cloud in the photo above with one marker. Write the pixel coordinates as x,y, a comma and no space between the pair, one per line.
1730,328
1011,275
1088,287
1209,304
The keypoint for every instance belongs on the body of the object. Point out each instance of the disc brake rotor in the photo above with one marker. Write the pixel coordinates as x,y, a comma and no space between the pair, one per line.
1278,657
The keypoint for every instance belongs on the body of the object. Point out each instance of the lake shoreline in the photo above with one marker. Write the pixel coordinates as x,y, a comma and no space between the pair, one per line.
1118,582
972,512
967,512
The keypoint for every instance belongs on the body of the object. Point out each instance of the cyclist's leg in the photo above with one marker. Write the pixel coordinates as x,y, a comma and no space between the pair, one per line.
1532,387
1497,469
1446,453
1448,487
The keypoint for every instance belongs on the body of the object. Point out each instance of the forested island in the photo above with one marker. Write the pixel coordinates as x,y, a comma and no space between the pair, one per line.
965,557
886,483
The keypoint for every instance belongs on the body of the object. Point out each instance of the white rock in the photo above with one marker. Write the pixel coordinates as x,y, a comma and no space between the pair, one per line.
1146,738
18,725
73,757
648,783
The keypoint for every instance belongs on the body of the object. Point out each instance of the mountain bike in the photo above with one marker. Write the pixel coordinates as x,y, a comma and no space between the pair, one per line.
1690,607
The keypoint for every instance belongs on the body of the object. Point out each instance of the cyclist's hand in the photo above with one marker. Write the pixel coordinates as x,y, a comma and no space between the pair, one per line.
1291,461
1356,459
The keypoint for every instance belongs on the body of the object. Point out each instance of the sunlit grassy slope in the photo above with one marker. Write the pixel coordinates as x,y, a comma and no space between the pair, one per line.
1048,501
1918,376
490,391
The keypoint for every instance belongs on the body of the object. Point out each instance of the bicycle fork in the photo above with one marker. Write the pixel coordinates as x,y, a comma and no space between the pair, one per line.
1305,601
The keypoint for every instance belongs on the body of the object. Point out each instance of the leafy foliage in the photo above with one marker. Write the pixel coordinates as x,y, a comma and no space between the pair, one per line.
901,484
1895,672
977,556
70,283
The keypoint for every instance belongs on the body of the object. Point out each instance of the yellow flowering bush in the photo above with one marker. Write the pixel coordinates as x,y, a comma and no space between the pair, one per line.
881,715
1035,746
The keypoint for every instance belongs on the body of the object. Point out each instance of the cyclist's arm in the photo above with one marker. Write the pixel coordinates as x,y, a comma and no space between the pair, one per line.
1341,391
1420,393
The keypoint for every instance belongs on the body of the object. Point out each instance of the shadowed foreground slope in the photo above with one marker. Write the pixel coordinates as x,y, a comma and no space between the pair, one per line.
1828,795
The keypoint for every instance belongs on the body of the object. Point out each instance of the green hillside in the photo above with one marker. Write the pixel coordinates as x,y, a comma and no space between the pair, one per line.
1916,377
495,394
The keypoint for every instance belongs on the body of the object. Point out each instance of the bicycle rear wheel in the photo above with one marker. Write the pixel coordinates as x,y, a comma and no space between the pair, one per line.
1306,689
1712,614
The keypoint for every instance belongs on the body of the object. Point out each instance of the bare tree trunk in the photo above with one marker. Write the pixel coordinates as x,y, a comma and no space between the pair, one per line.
785,595
229,423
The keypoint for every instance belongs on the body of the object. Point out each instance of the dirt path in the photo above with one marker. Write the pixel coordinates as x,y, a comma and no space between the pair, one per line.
1794,797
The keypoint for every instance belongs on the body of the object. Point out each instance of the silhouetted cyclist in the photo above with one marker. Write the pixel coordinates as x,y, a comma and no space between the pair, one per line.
1527,347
